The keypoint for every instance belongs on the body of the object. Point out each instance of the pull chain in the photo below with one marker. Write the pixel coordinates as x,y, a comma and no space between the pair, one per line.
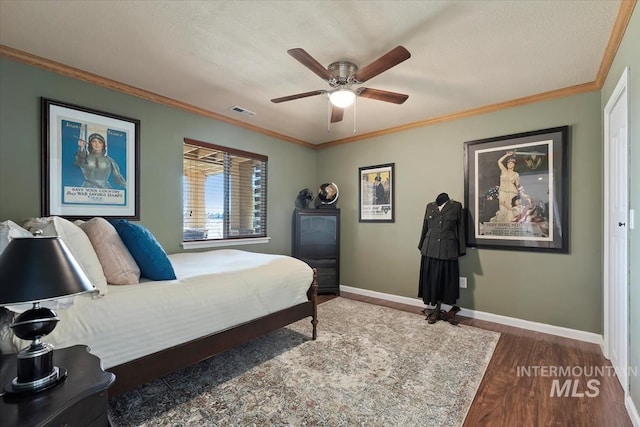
355,101
328,114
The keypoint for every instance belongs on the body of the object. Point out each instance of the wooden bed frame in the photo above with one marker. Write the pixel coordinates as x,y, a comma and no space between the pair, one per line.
145,369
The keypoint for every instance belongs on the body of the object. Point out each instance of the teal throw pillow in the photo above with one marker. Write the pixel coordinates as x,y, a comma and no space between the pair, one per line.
145,249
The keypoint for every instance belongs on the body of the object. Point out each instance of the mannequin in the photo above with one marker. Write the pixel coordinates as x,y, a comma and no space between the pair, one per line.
442,242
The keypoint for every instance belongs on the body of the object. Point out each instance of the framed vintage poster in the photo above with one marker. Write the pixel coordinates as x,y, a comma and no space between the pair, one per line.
516,191
90,163
376,193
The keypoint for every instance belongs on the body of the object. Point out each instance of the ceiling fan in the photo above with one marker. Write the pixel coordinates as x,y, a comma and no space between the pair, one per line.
342,75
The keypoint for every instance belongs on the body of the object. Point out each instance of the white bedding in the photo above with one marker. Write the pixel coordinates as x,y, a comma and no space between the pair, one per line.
214,291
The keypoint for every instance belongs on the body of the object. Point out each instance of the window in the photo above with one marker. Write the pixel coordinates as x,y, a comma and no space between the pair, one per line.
224,193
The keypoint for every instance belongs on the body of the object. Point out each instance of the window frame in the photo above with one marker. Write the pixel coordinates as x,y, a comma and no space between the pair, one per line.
228,240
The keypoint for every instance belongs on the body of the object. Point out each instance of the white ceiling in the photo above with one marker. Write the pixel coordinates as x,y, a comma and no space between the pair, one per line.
219,54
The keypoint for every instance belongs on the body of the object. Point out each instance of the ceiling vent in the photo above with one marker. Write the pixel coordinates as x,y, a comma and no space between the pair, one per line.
241,110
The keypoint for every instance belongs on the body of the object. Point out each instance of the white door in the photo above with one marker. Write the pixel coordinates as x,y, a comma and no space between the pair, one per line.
616,207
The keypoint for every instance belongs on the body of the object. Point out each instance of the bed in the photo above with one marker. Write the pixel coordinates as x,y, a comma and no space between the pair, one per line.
219,300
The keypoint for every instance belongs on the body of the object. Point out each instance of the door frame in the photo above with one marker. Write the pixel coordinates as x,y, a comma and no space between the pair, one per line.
621,90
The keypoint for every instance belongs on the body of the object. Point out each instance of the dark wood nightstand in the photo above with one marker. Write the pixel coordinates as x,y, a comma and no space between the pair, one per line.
81,400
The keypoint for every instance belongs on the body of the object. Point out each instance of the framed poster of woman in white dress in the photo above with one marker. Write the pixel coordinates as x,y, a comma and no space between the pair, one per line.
516,191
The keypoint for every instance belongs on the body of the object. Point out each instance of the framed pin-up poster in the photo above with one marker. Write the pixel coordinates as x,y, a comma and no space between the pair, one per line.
90,162
376,193
516,191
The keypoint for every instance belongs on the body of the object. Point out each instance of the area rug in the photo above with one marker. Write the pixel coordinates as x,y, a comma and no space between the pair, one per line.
370,365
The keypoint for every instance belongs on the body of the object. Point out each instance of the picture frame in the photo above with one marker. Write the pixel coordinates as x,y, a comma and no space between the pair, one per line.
90,163
519,206
376,194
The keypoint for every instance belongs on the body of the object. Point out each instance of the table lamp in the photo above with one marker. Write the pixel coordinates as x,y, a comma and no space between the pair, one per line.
32,270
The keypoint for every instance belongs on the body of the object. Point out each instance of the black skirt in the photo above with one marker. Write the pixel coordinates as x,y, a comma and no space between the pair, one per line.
439,281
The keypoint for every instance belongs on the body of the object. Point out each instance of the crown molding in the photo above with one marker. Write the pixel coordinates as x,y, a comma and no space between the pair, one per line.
65,70
620,26
559,93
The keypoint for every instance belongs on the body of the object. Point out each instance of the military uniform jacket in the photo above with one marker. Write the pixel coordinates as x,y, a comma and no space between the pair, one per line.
443,231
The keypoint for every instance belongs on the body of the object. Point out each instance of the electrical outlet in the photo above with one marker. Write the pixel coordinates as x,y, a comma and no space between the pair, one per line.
463,282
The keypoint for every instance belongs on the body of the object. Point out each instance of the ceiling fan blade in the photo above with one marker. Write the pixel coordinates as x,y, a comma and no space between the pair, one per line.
382,95
298,96
336,114
309,61
386,61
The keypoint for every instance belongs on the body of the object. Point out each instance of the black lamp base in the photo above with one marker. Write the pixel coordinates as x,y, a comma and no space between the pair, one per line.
36,371
18,389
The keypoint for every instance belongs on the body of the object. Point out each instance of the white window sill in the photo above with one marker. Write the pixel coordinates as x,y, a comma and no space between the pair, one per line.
222,243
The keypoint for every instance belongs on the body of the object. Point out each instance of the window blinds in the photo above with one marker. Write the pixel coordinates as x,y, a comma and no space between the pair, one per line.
225,192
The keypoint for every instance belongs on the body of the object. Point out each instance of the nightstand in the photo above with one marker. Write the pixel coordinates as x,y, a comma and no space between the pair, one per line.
81,400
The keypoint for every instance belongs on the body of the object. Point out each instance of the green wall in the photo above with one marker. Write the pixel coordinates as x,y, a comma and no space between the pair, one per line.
628,55
557,289
162,131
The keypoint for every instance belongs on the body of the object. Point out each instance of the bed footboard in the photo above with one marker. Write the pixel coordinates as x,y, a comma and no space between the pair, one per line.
312,295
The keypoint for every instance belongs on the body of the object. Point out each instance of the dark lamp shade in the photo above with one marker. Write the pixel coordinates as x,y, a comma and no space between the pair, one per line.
36,269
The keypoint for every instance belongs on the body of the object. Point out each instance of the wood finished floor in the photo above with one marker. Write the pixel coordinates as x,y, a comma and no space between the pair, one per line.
505,398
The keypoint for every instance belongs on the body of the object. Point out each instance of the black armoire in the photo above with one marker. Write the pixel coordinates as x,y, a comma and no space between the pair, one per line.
316,241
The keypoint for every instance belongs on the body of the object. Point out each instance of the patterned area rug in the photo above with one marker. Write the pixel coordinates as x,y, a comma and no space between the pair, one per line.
370,365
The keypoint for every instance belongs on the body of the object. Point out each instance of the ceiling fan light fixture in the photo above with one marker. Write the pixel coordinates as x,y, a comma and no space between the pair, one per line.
342,98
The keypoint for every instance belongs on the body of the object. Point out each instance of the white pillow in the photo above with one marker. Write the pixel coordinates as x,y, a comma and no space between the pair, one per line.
40,224
8,339
78,243
10,230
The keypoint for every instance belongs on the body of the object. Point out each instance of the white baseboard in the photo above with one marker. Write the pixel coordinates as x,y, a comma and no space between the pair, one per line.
481,315
632,411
